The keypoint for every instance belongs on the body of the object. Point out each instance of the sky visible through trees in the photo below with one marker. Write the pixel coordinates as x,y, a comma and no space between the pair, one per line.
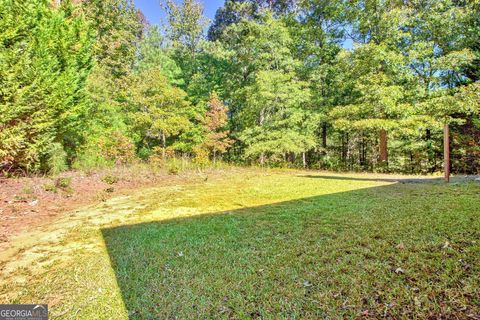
150,9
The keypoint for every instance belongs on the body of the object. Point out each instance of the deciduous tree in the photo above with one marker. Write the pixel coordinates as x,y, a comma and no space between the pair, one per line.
215,122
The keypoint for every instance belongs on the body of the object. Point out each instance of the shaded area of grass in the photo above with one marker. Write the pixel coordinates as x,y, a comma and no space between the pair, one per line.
402,251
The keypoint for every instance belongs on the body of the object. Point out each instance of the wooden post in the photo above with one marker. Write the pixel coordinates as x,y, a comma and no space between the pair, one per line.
446,152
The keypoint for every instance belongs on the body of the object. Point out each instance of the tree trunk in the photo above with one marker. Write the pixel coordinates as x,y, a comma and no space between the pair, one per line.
324,136
383,148
361,152
446,152
214,156
430,152
304,158
412,168
261,120
164,145
347,143
364,144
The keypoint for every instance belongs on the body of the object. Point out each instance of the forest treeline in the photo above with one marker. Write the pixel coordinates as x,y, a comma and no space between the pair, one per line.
90,83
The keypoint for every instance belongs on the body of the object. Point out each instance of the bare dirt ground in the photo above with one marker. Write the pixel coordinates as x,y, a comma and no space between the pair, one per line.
29,202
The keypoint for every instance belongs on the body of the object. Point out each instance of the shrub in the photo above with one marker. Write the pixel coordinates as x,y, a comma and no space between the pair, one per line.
90,159
28,190
105,151
45,56
50,188
156,157
144,153
64,183
110,179
117,147
173,168
57,159
201,156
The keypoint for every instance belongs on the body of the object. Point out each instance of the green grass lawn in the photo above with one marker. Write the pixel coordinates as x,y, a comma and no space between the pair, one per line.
255,244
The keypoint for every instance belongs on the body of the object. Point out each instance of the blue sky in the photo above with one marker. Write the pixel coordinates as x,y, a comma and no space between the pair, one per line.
151,9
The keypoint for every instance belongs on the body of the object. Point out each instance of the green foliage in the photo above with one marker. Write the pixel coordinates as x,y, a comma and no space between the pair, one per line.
45,59
201,156
185,31
50,188
110,179
89,84
233,11
277,120
105,151
153,54
116,147
173,168
185,24
29,190
57,159
160,112
64,184
380,83
118,25
88,159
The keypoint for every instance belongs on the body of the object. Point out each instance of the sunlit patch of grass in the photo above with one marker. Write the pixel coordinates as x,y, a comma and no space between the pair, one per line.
270,244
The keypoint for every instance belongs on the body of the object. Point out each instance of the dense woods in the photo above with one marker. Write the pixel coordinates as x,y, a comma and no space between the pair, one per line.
91,83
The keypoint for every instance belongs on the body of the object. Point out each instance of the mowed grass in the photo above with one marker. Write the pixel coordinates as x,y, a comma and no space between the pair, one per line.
263,244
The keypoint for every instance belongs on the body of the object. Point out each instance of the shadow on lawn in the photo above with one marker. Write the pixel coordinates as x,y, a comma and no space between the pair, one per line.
396,179
339,255
380,179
